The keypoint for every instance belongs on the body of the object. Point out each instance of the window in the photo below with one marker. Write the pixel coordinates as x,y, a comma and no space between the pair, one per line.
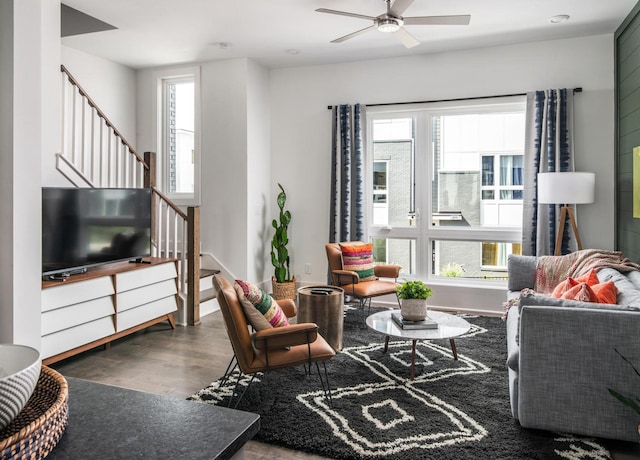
446,187
178,135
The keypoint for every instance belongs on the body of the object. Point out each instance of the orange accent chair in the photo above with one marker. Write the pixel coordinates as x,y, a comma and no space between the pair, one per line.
269,349
362,291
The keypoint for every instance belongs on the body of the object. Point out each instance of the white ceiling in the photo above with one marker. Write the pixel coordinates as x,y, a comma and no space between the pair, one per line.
154,33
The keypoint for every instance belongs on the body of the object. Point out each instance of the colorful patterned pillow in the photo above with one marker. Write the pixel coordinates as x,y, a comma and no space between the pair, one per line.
256,319
264,303
358,258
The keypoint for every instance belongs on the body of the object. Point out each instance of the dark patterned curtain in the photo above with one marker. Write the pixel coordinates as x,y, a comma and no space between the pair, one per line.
548,148
347,218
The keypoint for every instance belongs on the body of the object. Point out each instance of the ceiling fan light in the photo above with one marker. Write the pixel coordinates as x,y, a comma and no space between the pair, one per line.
388,25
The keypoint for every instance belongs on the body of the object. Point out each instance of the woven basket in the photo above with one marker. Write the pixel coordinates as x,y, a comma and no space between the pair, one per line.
40,425
286,290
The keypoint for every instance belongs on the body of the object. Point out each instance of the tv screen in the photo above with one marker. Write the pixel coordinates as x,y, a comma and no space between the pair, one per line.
88,226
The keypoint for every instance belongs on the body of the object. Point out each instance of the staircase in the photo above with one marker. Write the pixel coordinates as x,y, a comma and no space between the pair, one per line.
95,154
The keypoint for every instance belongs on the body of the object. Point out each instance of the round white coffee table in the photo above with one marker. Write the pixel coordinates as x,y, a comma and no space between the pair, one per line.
449,326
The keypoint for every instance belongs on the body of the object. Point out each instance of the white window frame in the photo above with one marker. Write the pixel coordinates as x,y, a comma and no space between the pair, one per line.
161,77
422,231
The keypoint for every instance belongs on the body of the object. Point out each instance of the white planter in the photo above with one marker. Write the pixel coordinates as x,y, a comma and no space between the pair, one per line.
413,309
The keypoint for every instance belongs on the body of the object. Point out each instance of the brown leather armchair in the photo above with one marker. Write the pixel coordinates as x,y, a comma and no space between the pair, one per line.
362,291
269,349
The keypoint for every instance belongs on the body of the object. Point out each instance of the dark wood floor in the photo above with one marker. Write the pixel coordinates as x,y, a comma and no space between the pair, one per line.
168,362
180,362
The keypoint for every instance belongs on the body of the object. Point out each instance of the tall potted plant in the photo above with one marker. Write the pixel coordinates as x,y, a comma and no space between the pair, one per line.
284,286
413,297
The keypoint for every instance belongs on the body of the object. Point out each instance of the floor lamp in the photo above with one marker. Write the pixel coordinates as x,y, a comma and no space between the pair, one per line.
566,189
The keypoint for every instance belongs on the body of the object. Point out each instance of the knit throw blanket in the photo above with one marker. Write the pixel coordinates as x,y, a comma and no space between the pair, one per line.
551,270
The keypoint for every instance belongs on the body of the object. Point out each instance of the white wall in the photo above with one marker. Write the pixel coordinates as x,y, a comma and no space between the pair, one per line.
260,202
112,87
223,211
301,130
29,40
235,160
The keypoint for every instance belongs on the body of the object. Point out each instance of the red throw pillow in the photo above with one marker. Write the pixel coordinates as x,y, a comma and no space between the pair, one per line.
591,279
563,287
606,292
582,292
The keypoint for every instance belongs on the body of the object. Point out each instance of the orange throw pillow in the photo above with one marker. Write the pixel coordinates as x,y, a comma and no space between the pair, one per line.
582,292
606,292
563,287
591,279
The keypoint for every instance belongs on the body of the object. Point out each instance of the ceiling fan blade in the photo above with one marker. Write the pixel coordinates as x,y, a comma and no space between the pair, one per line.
344,13
406,38
353,34
454,20
399,7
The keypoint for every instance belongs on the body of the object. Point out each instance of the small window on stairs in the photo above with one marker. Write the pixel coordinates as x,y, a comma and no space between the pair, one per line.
179,156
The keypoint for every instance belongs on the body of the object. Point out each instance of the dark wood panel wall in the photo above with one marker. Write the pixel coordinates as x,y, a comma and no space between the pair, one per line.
627,99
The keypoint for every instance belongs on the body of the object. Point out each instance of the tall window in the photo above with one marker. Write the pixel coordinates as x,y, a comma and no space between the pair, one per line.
179,135
452,202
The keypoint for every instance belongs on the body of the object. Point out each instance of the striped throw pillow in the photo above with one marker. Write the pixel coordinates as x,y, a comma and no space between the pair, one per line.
358,258
264,303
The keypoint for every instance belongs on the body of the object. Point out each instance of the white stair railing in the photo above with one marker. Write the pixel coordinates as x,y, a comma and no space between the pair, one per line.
95,154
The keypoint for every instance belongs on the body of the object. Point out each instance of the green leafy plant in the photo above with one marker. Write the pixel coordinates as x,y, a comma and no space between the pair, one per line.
632,402
413,290
279,252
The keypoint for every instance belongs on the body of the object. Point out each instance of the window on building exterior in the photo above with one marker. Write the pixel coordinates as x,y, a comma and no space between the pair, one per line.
452,202
178,146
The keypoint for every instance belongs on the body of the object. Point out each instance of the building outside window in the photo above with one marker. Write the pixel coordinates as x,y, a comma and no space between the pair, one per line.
452,201
178,135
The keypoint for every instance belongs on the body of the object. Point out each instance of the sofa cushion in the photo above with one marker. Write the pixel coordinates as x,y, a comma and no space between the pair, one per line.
628,293
543,300
522,271
634,277
358,258
263,303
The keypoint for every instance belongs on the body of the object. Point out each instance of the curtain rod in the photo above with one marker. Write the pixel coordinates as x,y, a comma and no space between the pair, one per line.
330,107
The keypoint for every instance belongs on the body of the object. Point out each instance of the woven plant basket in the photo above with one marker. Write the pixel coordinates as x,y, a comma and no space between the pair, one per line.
286,290
40,425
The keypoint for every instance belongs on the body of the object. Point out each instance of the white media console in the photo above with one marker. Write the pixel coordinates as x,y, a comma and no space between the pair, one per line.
105,303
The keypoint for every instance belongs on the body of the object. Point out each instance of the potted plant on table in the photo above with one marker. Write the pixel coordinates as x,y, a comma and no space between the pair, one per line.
413,297
283,285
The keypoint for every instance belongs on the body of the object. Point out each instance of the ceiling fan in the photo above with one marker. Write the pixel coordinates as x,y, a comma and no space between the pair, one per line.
392,22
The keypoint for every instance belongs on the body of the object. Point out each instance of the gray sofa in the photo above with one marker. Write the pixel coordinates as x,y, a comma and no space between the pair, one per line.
562,358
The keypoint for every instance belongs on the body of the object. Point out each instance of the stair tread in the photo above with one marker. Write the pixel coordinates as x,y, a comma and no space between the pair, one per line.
204,272
207,294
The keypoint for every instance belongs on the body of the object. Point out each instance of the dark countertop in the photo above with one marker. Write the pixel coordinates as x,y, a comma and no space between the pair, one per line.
108,422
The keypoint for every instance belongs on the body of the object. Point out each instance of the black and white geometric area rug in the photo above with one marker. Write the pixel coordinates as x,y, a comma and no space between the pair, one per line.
451,410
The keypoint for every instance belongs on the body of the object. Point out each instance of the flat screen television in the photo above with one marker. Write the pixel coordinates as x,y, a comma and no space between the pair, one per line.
83,227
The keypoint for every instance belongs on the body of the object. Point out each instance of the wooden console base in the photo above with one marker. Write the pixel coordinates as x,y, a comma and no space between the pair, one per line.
95,308
106,341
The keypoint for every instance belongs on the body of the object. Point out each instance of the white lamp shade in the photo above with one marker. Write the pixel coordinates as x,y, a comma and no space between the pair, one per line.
566,187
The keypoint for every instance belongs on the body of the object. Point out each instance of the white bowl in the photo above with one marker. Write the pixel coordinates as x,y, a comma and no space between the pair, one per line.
19,373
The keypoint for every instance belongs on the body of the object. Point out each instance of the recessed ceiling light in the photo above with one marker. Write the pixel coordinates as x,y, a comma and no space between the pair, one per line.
292,51
221,45
557,19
